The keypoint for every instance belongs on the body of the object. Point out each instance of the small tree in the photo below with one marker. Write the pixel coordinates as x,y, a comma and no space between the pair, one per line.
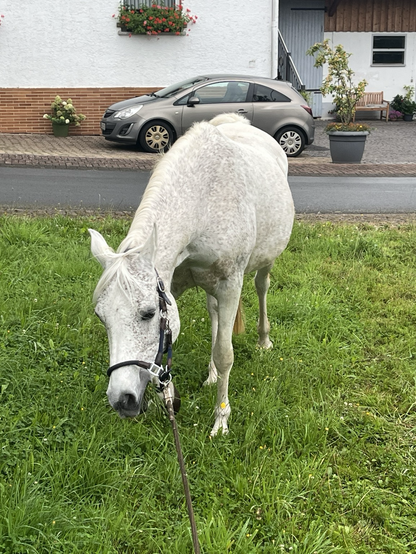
339,79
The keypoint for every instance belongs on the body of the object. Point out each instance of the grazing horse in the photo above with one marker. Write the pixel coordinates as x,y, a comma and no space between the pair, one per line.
217,206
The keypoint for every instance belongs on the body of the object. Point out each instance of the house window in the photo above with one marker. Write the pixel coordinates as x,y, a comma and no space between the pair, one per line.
388,49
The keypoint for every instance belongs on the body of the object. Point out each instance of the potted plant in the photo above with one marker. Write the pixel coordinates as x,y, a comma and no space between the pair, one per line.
63,114
155,19
405,104
346,138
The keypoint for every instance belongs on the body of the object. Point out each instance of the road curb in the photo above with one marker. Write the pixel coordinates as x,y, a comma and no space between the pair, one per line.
298,168
354,170
74,162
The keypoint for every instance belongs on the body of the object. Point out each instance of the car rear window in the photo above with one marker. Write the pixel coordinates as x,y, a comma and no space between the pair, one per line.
267,94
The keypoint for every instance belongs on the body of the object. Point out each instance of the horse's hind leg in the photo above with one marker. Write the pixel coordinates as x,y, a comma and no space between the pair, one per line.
262,282
223,354
212,306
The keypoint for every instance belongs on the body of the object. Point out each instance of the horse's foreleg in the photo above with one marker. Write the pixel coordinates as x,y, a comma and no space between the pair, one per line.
212,306
262,282
223,354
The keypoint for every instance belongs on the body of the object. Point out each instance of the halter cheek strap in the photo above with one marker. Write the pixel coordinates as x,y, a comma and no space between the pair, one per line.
156,369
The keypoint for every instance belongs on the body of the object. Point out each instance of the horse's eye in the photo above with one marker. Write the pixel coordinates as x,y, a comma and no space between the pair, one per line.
147,315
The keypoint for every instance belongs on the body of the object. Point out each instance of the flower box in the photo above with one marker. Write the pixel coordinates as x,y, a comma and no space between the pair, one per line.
154,20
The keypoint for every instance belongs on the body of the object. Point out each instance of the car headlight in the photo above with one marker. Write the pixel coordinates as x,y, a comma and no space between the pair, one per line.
127,112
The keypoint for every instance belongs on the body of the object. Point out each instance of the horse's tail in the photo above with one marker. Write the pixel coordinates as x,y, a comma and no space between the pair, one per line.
228,118
239,326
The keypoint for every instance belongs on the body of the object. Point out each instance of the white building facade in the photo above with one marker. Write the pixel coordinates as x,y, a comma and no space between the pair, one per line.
50,47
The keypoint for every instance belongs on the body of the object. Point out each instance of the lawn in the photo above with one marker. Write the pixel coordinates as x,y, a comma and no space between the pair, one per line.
320,457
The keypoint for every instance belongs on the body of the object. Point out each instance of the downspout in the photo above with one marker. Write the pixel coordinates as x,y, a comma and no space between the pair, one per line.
274,38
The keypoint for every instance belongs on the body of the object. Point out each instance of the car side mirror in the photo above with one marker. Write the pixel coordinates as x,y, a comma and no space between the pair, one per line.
194,100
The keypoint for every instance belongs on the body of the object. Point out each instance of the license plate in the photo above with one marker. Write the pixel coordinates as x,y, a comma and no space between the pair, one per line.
102,125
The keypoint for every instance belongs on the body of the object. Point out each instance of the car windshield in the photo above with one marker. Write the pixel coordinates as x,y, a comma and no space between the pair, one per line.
173,90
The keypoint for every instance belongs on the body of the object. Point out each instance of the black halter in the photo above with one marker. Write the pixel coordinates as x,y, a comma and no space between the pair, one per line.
156,369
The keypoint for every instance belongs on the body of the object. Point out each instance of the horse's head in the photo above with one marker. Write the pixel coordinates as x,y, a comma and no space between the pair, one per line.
127,302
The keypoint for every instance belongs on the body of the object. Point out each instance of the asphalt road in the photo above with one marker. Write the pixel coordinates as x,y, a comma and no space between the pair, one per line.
122,190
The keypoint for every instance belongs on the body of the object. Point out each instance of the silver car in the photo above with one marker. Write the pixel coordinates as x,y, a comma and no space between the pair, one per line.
156,120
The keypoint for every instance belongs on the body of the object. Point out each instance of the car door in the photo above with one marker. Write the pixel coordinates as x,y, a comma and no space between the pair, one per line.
272,109
214,99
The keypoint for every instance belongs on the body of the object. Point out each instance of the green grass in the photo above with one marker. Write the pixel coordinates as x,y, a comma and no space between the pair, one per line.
320,457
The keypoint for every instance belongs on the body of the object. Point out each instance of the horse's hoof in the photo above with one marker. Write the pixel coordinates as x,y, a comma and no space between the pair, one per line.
266,344
221,421
215,430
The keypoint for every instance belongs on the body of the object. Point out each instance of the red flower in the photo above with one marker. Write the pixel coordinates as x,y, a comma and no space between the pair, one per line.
151,17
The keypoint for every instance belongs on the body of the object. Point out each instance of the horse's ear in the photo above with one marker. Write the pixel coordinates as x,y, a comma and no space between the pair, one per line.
148,251
100,248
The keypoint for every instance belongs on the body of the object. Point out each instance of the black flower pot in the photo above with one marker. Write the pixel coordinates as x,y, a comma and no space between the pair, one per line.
347,147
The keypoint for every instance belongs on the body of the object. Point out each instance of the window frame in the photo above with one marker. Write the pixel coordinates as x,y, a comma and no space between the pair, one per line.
387,50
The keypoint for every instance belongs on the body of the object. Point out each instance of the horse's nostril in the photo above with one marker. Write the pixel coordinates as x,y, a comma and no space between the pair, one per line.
129,402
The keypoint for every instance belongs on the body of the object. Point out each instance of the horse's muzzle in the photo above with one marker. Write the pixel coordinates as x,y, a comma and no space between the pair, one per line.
129,406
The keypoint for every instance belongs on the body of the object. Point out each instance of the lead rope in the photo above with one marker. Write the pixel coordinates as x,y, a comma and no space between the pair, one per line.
171,414
165,382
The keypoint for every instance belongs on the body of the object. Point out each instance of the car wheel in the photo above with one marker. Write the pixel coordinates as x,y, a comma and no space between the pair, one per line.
155,136
291,140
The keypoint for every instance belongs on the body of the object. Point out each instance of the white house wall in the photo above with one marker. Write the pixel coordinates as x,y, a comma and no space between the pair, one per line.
48,43
390,80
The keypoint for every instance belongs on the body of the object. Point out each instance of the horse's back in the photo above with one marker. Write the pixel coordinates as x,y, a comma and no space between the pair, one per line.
246,208
239,129
270,194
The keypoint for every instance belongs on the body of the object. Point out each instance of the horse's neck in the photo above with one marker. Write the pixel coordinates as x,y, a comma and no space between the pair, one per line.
158,209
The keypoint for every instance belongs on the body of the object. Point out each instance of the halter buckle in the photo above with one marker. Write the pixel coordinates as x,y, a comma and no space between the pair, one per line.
162,375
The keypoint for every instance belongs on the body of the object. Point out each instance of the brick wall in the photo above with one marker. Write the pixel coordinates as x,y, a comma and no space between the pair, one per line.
22,109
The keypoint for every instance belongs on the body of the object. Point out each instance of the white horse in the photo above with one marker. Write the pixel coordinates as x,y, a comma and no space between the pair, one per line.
217,206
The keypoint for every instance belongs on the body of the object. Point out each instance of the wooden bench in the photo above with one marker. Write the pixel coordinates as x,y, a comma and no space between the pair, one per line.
373,101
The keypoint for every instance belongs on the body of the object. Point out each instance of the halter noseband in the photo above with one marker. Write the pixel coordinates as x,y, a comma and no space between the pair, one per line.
156,369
